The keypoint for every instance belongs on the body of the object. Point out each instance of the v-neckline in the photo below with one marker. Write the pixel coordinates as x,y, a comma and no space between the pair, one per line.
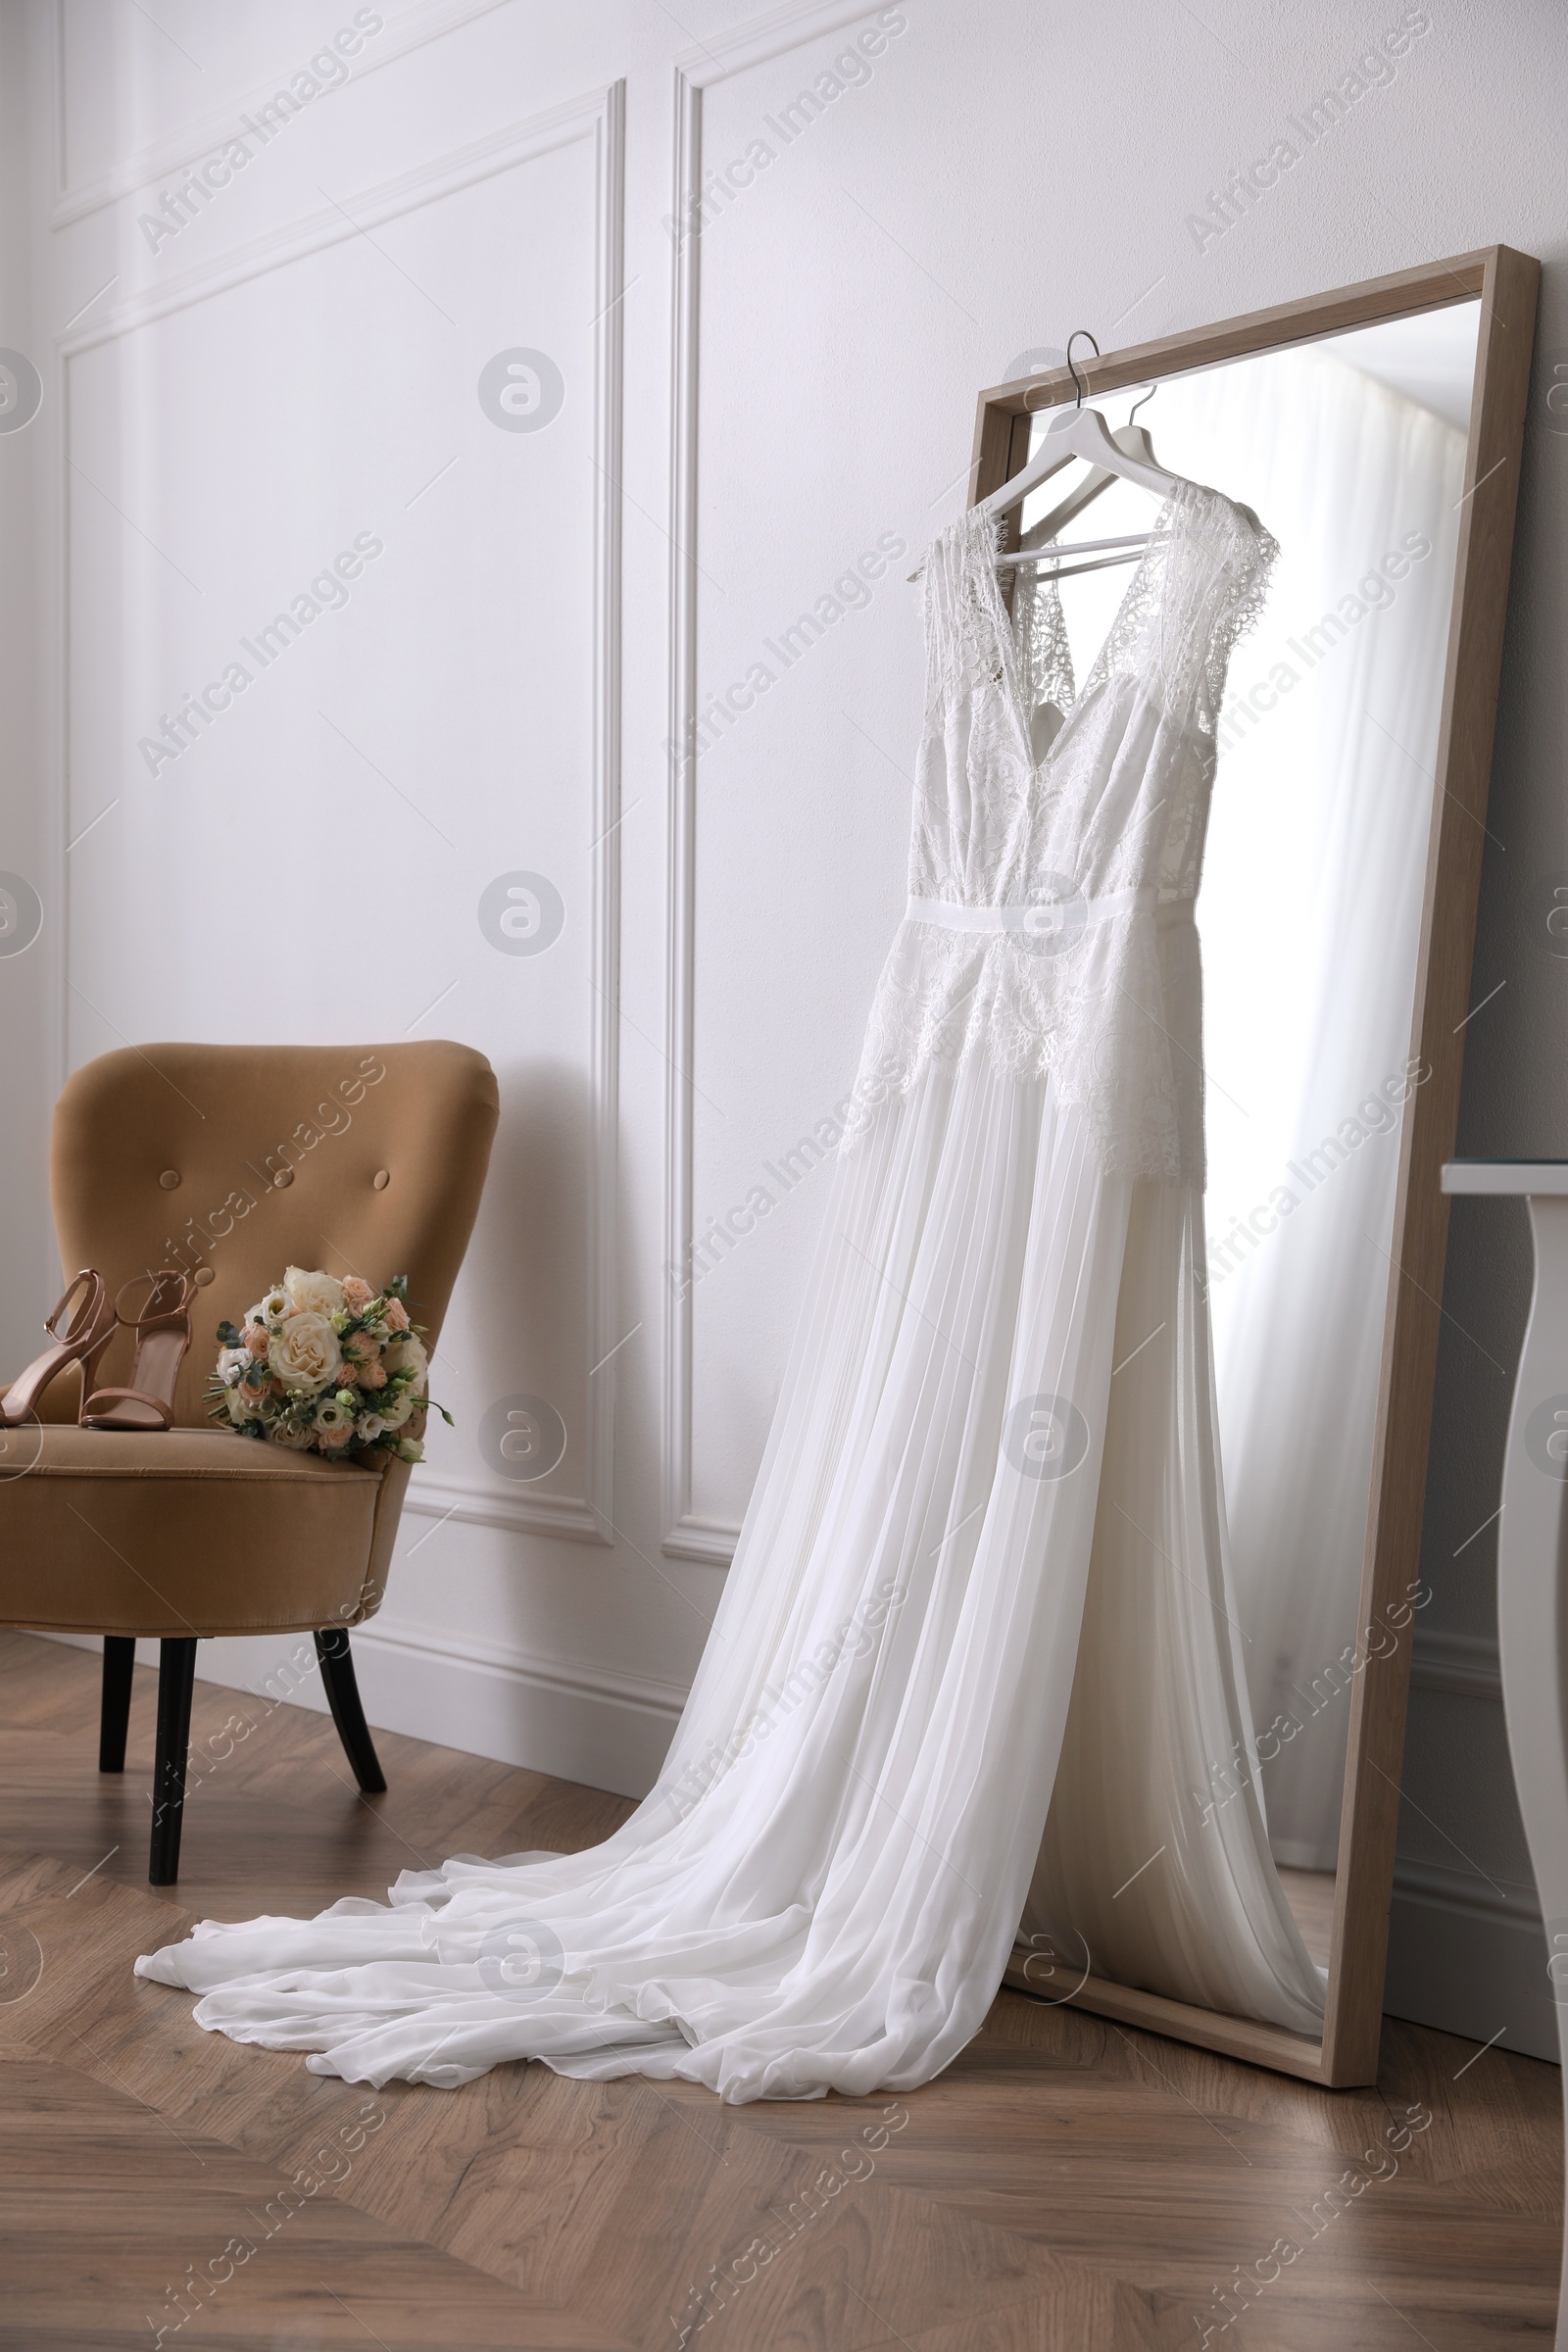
1167,536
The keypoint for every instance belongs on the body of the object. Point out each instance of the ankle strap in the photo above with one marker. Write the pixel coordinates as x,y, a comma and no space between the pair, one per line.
151,1312
92,1307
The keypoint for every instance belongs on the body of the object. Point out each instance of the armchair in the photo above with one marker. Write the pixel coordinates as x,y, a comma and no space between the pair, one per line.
232,1162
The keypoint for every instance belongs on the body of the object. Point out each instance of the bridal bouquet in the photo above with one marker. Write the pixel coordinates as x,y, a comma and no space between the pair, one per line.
330,1367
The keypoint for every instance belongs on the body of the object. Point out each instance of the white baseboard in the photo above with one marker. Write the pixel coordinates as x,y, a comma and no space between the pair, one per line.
592,1725
1469,1959
1464,1955
1461,1665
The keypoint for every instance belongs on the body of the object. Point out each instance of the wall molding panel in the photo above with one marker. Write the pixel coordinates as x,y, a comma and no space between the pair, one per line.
688,1536
165,158
599,117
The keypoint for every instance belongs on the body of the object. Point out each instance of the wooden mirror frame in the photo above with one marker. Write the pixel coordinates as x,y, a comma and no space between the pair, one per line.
1505,285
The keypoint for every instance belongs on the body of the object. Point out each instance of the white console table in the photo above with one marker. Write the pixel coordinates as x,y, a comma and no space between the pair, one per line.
1533,1559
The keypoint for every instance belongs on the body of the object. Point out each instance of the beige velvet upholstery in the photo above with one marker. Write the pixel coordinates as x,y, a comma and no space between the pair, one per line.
234,1162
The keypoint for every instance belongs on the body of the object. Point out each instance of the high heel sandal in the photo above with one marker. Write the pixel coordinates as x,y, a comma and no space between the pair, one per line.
163,1335
88,1326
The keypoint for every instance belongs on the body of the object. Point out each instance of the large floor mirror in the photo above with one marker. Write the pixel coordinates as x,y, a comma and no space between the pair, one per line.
1376,432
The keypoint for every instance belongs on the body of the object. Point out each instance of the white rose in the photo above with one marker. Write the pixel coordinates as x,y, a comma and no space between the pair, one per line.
303,1352
239,1412
367,1428
316,1294
394,1414
298,1441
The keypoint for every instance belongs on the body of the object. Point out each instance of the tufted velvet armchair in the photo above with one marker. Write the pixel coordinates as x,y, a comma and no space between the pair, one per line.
232,1162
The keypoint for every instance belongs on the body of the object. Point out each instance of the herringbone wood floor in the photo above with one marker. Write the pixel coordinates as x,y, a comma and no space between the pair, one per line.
1066,2183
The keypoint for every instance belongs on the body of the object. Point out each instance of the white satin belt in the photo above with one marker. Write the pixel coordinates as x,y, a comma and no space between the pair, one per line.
1043,917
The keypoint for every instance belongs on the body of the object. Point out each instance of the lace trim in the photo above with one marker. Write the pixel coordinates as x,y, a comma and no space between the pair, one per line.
995,827
1199,588
1042,652
1091,1020
965,650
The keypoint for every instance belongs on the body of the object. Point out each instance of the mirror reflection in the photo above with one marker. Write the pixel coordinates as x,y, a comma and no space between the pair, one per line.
1351,450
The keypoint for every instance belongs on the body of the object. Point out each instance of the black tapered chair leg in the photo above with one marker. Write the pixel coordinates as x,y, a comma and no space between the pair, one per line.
176,1674
114,1715
343,1697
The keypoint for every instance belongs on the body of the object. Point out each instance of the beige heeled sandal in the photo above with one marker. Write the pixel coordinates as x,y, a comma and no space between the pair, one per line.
88,1315
163,1335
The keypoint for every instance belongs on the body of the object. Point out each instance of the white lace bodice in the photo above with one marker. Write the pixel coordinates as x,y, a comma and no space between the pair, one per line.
1050,899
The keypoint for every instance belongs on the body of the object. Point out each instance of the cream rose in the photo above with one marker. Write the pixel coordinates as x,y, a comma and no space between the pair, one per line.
406,1353
399,1409
314,1294
303,1352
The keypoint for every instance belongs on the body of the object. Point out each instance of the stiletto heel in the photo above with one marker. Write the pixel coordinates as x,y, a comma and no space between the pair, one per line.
94,1355
163,1335
87,1328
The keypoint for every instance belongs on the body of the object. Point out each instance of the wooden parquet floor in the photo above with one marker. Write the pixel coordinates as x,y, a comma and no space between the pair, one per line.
1066,2186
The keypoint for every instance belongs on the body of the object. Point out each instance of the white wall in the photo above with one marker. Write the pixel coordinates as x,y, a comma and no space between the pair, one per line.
798,385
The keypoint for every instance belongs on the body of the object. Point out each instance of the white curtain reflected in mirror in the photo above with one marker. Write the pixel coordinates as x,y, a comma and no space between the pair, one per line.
1351,452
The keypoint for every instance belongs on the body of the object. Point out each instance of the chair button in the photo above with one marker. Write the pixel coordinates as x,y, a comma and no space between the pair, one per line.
381,1179
204,1275
283,1180
170,1179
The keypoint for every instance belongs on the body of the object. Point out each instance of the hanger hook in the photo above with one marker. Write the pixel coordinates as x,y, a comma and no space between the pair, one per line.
1144,401
1078,381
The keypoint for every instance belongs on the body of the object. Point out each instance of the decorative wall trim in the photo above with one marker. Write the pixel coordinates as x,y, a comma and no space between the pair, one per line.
444,176
486,1697
604,1147
1470,1959
442,1495
690,1538
163,158
1462,1665
592,1726
1465,1890
665,1700
767,36
600,117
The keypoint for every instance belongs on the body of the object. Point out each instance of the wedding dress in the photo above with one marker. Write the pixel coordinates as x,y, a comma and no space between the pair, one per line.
823,1889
